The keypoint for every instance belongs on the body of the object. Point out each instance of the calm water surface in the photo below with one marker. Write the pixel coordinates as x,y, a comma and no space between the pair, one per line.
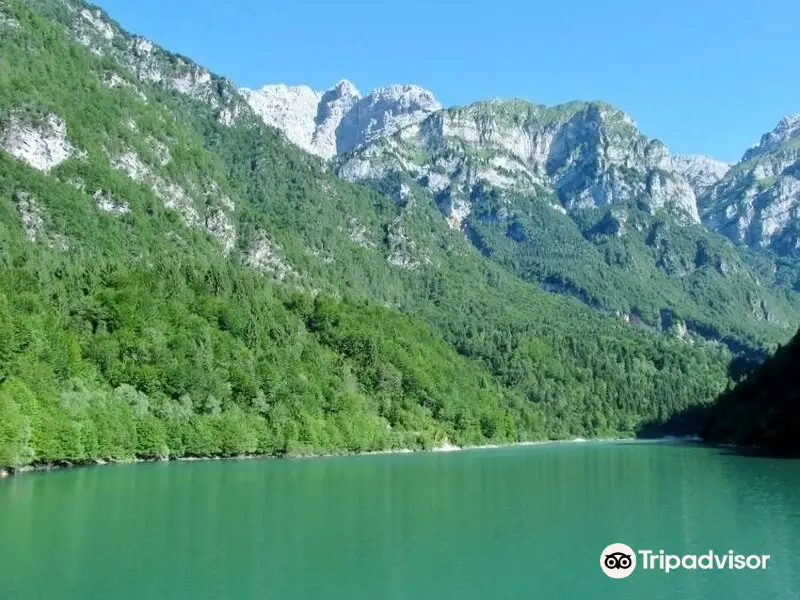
515,523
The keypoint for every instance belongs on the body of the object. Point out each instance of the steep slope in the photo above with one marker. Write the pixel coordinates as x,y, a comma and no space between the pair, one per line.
574,197
702,172
588,153
129,325
339,119
175,282
764,409
758,202
501,171
293,110
90,27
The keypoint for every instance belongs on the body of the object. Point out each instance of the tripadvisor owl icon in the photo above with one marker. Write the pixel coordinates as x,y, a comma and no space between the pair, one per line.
618,561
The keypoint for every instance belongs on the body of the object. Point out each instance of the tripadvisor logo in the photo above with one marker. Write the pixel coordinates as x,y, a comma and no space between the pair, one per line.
619,561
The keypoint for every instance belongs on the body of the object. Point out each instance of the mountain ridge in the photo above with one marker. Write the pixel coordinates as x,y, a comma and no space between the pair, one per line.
725,206
757,203
729,207
339,119
548,191
705,170
179,283
721,195
93,29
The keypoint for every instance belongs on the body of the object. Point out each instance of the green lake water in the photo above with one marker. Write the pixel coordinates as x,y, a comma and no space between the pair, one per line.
515,523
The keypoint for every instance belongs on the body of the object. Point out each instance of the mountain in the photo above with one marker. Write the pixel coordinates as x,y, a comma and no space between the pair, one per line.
702,172
764,409
339,119
586,154
177,279
575,198
757,203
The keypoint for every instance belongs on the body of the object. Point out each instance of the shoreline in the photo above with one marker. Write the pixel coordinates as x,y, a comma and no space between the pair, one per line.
445,447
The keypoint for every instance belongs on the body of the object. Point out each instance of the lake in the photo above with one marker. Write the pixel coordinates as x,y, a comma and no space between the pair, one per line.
511,523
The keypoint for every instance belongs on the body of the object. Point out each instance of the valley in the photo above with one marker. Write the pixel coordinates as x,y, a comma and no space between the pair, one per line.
191,269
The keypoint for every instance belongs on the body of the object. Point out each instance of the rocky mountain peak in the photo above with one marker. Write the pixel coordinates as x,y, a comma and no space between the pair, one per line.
407,96
757,203
339,119
332,108
344,93
585,153
787,130
700,171
292,109
383,112
344,88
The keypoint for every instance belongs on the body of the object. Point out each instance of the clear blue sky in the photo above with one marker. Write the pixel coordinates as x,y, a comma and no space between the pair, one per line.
706,76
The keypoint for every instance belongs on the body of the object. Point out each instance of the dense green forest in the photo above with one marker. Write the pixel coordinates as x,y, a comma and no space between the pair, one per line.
764,409
662,271
245,300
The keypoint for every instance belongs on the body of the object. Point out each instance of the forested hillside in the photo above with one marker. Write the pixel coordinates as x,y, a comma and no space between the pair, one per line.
576,199
178,280
764,409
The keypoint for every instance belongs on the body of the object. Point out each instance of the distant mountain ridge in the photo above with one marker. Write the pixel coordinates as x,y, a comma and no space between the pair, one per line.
754,202
702,172
588,153
576,198
590,156
339,119
757,203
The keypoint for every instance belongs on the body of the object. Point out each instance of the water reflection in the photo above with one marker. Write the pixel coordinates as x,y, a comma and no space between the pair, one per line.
509,523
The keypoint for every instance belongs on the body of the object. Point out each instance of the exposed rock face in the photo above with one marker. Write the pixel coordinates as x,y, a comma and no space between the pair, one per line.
114,81
108,204
293,110
220,226
787,130
159,150
333,106
33,225
7,21
130,164
265,255
758,202
339,119
41,145
215,218
31,215
404,252
587,154
176,198
358,234
700,171
93,28
673,193
383,112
